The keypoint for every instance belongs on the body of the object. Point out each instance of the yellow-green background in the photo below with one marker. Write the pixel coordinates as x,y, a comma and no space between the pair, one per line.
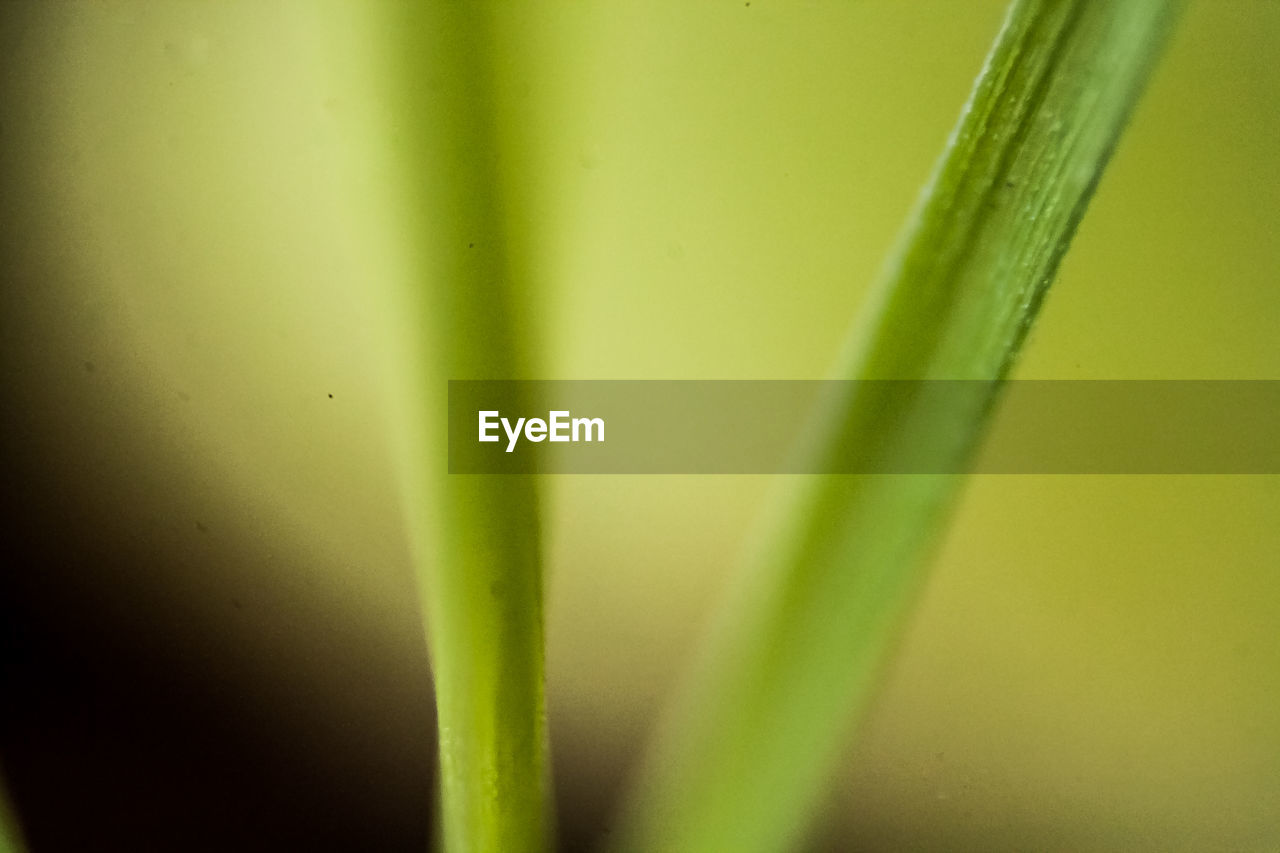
203,242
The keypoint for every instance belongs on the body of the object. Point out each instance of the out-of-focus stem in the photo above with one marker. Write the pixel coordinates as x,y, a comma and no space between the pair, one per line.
477,538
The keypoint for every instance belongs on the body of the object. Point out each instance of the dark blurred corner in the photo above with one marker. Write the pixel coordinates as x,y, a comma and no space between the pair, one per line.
168,683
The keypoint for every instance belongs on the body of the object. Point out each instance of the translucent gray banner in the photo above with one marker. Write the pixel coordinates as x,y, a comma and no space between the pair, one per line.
863,427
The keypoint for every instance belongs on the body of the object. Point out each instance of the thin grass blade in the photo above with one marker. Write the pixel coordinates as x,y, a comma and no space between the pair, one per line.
793,659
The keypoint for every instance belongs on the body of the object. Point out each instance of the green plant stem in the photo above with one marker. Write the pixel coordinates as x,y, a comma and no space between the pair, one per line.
10,837
479,543
793,659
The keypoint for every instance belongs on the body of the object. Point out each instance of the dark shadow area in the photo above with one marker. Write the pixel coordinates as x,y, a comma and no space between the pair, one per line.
115,736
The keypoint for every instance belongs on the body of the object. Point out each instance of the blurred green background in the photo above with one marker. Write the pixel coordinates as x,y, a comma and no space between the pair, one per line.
212,635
